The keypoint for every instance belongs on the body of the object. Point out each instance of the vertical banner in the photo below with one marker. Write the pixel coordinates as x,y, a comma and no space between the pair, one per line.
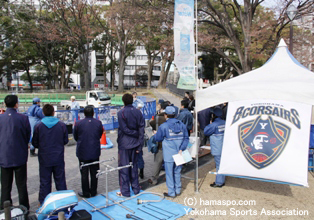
267,139
184,43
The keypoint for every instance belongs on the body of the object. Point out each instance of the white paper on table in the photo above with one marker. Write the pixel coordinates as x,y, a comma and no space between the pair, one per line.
182,159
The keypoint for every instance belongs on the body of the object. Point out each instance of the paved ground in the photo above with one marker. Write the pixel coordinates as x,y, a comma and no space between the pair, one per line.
72,166
264,196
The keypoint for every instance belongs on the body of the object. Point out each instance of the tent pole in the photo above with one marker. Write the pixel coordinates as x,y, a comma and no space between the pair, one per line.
195,109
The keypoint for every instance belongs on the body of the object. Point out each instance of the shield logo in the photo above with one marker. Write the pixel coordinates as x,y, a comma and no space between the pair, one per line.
262,141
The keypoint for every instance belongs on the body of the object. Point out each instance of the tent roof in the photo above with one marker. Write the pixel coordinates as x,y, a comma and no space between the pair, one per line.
282,77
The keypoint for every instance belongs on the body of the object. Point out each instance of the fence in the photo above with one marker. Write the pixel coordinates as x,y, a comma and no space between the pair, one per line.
107,114
48,98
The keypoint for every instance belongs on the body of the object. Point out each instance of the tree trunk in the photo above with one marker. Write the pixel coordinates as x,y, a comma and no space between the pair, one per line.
57,85
121,71
29,78
150,64
162,78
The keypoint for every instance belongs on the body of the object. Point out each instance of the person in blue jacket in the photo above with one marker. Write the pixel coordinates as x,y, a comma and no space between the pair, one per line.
35,114
87,133
174,137
50,136
137,103
185,116
15,131
130,144
175,107
216,131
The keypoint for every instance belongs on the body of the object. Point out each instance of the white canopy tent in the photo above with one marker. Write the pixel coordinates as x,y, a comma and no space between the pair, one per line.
282,77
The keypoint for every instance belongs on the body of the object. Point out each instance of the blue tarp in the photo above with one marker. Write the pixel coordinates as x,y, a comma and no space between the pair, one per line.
118,212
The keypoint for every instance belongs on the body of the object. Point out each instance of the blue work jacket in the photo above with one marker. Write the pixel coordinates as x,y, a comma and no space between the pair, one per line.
204,117
87,133
131,128
138,103
35,114
216,132
50,136
176,109
174,137
75,105
15,131
186,117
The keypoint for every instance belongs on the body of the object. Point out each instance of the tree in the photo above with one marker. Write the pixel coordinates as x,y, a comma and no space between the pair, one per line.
246,29
78,25
123,18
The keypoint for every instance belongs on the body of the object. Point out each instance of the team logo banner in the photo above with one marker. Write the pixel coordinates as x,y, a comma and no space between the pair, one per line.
184,44
267,139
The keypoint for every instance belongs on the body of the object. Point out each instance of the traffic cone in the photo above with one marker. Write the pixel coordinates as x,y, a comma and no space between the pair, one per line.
103,141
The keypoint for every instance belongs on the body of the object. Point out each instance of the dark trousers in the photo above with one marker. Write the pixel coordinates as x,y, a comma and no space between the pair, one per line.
21,184
128,175
203,138
158,159
141,160
189,132
85,171
45,180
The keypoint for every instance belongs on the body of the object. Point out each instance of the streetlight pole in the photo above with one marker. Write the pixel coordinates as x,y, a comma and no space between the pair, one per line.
291,13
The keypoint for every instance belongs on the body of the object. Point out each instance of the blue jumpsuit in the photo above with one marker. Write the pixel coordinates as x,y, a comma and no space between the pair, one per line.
35,114
130,140
141,162
187,118
87,133
174,137
49,137
216,132
15,131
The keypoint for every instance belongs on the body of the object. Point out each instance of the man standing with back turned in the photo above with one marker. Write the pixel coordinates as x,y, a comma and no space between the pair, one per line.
130,144
50,136
15,132
87,133
175,139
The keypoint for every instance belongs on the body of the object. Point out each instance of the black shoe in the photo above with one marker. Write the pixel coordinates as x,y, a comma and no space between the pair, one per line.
179,194
82,195
141,174
167,195
152,181
93,195
216,186
32,153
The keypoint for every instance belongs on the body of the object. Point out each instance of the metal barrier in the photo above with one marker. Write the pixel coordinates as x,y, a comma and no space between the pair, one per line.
105,114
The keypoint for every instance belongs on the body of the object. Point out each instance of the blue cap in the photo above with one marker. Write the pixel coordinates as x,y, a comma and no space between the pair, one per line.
218,112
160,101
170,110
36,99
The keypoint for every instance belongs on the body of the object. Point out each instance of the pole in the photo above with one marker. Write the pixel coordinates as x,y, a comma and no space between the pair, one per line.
291,38
61,216
195,109
7,210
